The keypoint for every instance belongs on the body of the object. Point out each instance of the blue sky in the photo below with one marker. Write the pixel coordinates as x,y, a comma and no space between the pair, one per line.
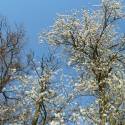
36,15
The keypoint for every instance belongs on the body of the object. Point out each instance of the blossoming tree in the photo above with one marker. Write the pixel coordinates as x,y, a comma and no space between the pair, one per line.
95,49
10,48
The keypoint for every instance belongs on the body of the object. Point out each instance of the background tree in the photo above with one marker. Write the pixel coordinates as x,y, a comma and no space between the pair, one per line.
44,93
96,49
49,102
47,92
11,67
11,41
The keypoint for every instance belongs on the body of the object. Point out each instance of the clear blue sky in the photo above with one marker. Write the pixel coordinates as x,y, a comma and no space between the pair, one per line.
36,15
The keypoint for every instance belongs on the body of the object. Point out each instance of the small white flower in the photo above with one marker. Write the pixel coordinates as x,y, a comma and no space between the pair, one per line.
105,115
54,123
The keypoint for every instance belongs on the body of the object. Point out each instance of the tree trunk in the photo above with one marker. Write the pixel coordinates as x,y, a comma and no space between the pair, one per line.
102,104
36,115
39,105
